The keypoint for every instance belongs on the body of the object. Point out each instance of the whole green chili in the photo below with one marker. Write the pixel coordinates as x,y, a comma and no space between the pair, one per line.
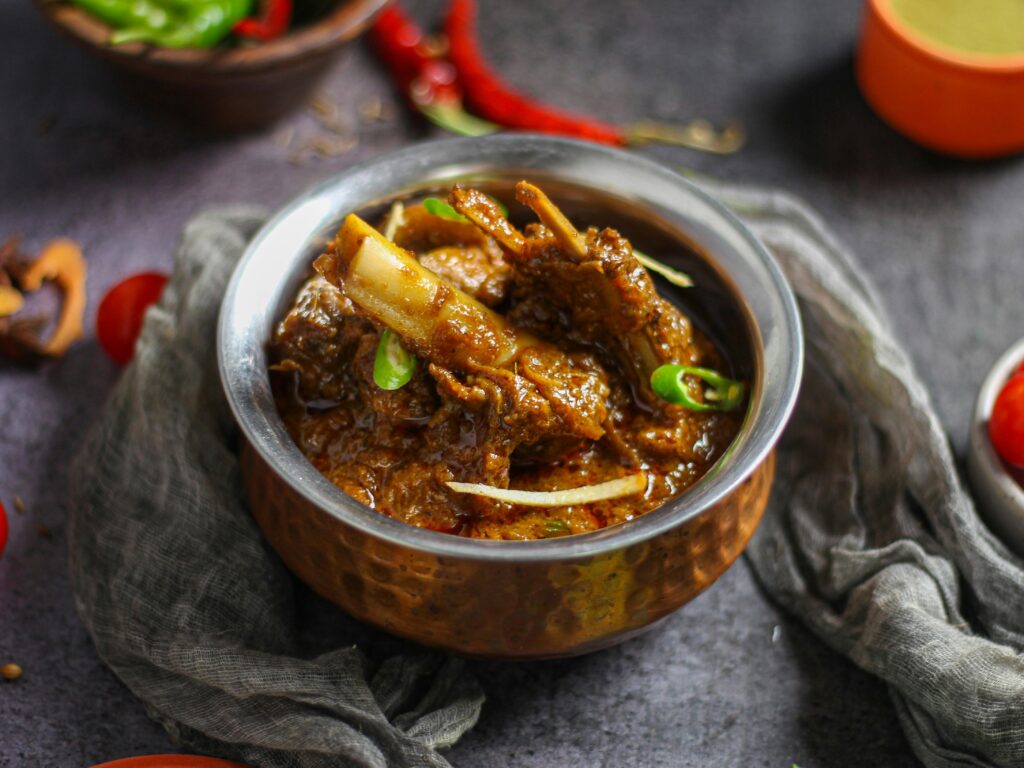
393,366
194,24
127,14
722,394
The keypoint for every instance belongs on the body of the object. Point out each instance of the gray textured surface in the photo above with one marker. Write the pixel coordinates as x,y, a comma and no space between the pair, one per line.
943,240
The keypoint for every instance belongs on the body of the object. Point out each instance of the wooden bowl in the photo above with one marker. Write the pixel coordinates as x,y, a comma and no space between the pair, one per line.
223,89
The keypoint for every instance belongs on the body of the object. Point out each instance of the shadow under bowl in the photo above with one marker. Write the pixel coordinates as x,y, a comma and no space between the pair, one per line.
528,599
223,89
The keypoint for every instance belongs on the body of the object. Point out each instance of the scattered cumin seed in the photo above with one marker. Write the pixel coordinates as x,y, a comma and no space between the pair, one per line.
372,109
44,531
11,672
19,505
323,106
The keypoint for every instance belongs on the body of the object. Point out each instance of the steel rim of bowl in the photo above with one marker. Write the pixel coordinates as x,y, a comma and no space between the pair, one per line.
980,445
256,293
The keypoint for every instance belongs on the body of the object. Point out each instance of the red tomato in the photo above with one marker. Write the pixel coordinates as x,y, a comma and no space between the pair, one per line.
119,319
1006,424
3,528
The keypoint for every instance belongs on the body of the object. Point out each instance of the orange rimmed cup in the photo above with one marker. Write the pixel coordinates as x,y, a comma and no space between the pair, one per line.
952,101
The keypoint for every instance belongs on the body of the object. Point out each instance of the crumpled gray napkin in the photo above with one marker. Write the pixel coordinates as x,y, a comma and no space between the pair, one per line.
869,538
183,598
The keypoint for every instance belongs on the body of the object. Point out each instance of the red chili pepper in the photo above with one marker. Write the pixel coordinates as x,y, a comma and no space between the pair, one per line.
3,528
487,95
427,81
273,21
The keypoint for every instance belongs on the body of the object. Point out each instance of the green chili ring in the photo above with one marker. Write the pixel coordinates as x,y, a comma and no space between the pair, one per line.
723,394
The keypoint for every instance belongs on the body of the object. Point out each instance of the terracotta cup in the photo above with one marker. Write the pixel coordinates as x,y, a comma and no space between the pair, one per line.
959,103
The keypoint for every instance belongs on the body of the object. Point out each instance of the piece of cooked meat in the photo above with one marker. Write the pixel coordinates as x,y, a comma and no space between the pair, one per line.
533,355
457,251
595,280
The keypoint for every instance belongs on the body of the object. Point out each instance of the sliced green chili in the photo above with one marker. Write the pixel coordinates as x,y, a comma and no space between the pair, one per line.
438,207
393,366
722,394
556,527
441,209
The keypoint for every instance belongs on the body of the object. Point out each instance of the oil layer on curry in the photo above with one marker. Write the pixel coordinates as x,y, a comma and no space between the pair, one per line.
461,375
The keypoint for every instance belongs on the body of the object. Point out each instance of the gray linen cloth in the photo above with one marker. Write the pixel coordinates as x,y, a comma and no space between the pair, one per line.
869,538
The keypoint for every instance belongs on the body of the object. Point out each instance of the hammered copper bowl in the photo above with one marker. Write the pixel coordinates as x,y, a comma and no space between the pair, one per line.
503,599
223,89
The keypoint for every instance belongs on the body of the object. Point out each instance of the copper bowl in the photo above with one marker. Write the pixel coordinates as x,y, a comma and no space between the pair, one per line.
223,89
536,599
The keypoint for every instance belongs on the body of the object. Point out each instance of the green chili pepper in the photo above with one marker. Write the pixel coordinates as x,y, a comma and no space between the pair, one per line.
555,527
438,207
441,209
393,366
722,395
195,24
132,14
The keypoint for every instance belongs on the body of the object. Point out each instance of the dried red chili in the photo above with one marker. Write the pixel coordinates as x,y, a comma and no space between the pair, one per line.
273,21
423,77
3,528
488,95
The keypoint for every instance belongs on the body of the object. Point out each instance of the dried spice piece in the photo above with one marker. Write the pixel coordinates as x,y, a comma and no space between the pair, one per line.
19,505
11,300
11,672
61,261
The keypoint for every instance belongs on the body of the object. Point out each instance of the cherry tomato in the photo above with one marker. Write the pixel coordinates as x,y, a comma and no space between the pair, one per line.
3,528
119,319
1006,424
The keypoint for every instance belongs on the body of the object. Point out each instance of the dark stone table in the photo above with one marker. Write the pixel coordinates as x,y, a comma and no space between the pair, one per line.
729,680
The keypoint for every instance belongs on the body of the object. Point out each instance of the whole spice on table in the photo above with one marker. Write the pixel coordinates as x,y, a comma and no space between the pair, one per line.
488,96
3,528
425,79
60,261
273,21
11,672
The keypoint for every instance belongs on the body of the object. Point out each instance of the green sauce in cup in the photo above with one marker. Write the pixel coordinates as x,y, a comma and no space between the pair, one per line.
988,27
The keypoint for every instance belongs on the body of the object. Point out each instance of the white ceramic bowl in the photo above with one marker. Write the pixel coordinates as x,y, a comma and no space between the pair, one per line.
1000,496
